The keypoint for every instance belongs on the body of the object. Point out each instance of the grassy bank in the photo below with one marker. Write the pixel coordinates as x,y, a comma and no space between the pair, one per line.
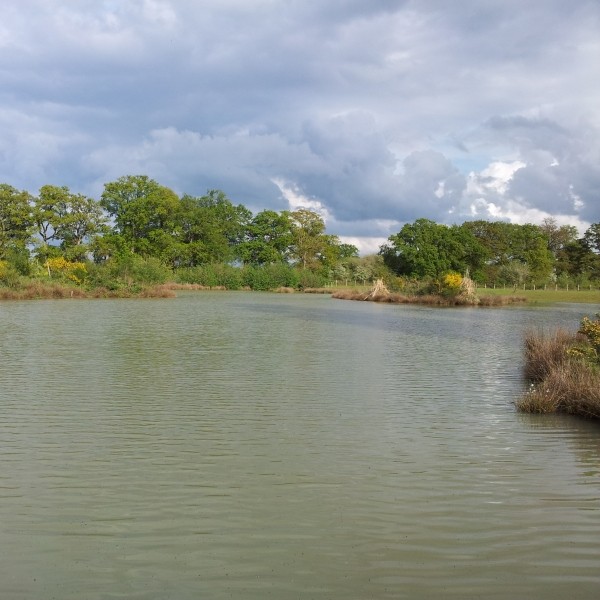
548,296
563,369
38,290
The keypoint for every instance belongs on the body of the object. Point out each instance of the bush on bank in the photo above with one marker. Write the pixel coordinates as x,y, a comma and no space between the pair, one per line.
563,369
134,275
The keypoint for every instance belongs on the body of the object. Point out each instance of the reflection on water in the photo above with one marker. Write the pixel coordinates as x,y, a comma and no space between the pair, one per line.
241,445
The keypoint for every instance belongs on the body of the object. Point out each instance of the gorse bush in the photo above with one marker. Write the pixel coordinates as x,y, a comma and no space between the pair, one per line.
452,282
591,330
60,267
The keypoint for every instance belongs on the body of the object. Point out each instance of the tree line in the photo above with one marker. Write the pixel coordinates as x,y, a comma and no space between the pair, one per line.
496,252
140,229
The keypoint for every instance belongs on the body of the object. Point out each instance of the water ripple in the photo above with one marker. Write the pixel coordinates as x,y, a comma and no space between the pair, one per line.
248,445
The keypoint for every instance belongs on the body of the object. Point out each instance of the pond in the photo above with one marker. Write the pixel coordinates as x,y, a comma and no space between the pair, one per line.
247,445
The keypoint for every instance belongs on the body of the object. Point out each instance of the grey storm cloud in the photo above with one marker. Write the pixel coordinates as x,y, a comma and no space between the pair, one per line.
378,112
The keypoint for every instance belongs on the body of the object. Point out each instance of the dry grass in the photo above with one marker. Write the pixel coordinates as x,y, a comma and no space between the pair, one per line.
427,299
571,387
39,290
185,286
157,291
560,383
546,352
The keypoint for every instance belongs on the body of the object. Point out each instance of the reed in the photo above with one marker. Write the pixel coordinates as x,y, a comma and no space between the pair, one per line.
560,380
546,352
571,387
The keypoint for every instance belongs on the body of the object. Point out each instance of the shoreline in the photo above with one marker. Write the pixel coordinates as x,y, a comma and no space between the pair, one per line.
428,299
44,290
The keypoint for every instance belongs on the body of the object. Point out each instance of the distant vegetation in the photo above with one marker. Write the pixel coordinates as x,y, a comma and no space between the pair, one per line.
140,235
564,371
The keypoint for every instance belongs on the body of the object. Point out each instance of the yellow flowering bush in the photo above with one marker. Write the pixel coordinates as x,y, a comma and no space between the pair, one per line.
591,350
3,268
591,330
453,281
60,266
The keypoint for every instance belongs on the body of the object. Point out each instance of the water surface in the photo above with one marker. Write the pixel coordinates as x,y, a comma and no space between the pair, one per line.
241,445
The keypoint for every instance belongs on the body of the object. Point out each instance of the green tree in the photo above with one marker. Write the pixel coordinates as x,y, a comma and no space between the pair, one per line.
46,211
592,237
82,218
558,237
144,212
210,229
427,249
67,219
309,241
268,238
576,260
503,243
16,221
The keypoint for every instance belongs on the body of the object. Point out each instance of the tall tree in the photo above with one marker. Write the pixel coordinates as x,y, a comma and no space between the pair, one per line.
576,259
68,220
428,249
268,238
592,237
211,228
47,209
308,238
504,243
558,237
16,221
144,212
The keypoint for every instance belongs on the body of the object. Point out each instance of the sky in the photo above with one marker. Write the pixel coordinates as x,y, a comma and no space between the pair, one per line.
372,112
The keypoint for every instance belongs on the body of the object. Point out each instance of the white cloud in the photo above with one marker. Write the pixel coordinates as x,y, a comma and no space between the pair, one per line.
497,175
378,112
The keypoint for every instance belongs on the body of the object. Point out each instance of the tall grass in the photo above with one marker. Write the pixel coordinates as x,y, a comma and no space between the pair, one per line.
559,381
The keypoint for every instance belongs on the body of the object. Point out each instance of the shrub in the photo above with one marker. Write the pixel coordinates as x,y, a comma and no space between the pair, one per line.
270,277
62,268
9,277
310,279
452,282
130,273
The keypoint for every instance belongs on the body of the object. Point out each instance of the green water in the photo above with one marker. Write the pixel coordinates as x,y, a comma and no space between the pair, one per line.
241,445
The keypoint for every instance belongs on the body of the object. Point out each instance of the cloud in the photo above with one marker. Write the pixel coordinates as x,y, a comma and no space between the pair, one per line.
381,112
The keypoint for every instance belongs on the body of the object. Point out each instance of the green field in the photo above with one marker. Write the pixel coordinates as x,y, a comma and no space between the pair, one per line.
548,296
